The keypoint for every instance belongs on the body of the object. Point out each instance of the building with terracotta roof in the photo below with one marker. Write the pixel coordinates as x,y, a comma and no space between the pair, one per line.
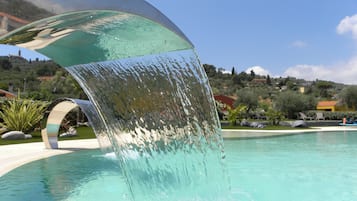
327,106
225,100
224,103
6,94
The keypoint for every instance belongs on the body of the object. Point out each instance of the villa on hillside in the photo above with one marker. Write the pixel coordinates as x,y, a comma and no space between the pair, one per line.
226,101
330,106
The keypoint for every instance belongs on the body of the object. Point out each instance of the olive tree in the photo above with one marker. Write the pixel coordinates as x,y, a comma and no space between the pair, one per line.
248,98
290,103
349,96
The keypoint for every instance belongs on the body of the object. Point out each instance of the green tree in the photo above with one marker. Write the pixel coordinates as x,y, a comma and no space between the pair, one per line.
61,85
72,87
46,70
252,74
240,79
210,70
4,86
323,87
247,97
290,103
268,80
291,85
5,64
233,71
349,96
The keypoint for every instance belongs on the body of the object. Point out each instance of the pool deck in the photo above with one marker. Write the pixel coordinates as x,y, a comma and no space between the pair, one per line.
255,133
13,156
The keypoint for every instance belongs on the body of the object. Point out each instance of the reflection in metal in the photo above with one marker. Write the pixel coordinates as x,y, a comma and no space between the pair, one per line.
59,109
57,114
95,35
148,88
33,10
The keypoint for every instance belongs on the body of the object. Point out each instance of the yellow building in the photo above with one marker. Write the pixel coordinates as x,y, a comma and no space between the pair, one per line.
327,105
302,90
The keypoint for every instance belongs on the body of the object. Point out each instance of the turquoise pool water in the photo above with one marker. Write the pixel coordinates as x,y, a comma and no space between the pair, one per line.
308,167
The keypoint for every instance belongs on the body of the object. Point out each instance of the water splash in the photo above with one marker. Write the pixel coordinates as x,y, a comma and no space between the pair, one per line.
161,123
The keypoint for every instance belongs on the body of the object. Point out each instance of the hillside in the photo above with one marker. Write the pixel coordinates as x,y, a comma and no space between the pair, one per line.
230,84
15,70
24,75
38,79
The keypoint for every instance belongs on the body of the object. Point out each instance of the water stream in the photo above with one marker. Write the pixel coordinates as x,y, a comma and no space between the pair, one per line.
161,123
154,106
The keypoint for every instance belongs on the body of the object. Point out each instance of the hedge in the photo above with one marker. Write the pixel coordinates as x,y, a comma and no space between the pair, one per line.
338,115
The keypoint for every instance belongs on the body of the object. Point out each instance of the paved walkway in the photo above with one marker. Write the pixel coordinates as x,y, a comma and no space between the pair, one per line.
13,156
252,133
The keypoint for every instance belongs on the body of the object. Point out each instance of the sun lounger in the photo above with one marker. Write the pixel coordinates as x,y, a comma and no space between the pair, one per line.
304,117
320,116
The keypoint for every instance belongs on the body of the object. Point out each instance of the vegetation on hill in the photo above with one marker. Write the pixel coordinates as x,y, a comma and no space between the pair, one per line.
40,80
230,84
262,97
288,96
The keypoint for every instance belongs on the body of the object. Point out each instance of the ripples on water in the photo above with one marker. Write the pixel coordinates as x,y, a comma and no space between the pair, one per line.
319,166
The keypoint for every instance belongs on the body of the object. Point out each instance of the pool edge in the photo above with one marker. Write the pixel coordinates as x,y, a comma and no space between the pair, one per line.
19,154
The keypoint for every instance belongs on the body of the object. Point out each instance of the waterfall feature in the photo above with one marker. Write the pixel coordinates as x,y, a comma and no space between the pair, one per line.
155,107
161,123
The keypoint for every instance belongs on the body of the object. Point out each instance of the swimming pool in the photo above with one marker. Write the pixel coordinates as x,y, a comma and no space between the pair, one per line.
316,166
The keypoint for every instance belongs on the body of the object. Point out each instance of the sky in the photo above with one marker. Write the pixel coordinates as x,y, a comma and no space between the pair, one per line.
309,39
6,50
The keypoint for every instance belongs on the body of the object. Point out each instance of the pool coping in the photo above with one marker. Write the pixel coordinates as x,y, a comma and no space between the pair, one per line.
16,155
258,133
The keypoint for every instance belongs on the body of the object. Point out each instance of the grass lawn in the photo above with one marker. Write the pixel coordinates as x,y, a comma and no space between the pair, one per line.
83,132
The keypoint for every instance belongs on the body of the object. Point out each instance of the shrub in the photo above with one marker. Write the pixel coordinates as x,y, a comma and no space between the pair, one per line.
291,103
337,115
236,114
21,115
274,117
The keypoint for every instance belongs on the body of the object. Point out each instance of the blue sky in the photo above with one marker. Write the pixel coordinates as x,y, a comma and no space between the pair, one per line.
310,39
281,37
13,50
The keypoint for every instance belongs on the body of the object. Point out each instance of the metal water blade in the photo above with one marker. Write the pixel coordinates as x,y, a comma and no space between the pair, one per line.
151,95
